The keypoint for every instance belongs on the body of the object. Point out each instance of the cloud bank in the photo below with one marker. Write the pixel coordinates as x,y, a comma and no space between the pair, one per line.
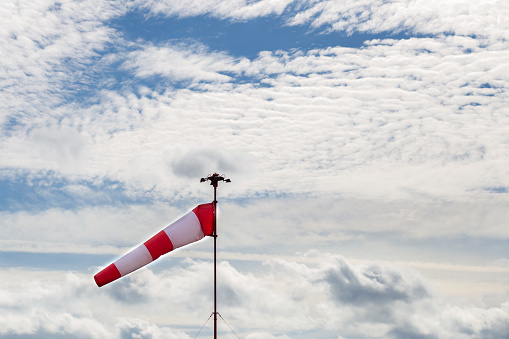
333,298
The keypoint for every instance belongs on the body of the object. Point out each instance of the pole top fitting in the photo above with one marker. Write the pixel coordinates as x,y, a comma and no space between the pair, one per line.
215,179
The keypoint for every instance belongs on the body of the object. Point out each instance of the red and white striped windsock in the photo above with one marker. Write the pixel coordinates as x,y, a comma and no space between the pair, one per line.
190,228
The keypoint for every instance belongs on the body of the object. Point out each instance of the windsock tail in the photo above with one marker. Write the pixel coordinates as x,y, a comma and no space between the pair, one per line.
107,275
192,227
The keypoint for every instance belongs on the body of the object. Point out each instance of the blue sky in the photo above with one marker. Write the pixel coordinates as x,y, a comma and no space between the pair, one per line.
366,142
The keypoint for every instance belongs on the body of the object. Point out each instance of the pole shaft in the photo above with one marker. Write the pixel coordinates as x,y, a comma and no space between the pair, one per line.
215,238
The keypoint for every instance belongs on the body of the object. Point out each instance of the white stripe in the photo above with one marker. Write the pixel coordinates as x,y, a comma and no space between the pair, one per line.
133,260
185,230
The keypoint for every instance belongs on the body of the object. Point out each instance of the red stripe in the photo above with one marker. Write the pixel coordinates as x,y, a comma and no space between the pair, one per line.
205,214
158,245
107,275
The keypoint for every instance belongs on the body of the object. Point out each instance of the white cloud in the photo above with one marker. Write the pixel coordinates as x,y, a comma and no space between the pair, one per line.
183,62
108,226
196,162
330,297
463,260
236,10
63,146
136,328
46,45
55,304
394,119
460,17
266,336
258,226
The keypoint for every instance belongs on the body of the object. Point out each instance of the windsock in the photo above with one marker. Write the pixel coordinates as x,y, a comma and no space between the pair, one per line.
190,228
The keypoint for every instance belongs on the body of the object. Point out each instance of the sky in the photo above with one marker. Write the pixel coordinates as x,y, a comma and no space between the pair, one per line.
367,143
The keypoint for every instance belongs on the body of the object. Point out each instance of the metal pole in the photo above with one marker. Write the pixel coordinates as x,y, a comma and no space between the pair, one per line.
214,180
215,238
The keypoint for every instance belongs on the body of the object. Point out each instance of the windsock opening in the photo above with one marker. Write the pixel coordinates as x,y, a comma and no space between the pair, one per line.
205,214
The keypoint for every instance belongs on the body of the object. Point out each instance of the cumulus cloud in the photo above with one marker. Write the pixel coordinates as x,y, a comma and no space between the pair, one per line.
196,162
265,336
62,305
136,328
372,285
62,145
258,305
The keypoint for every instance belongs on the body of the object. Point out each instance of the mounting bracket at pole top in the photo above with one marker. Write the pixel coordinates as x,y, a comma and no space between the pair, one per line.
215,179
